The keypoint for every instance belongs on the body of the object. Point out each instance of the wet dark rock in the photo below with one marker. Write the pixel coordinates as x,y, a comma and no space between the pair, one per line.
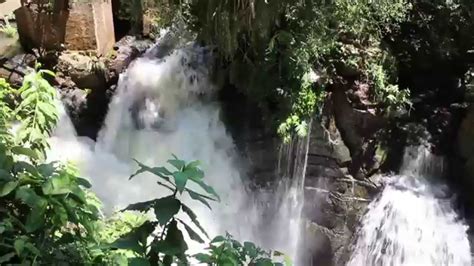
125,51
334,200
14,69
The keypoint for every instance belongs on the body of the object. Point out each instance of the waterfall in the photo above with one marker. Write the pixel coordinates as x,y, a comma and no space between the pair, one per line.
412,222
164,106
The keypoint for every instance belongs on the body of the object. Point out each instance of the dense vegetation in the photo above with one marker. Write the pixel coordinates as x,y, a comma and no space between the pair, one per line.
49,216
287,56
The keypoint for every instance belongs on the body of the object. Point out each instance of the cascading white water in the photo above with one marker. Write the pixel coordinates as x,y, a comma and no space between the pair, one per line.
410,223
161,108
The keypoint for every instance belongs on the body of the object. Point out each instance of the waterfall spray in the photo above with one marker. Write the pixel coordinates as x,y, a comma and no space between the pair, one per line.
164,106
408,224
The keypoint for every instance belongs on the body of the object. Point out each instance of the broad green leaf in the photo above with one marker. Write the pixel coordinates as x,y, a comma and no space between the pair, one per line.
7,257
192,234
24,166
48,110
194,219
25,151
250,249
58,185
204,258
35,219
7,188
60,214
47,169
19,245
78,194
180,180
166,208
218,239
29,197
84,182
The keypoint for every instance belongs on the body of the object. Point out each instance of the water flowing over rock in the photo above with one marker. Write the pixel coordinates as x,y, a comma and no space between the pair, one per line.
164,106
412,221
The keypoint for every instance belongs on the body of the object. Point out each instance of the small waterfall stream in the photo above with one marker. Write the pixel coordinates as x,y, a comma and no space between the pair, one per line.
164,107
412,222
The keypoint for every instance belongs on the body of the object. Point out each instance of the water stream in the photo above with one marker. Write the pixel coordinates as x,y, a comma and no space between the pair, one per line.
165,106
412,222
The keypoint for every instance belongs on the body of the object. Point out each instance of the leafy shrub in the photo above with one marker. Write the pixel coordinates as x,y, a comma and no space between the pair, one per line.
45,213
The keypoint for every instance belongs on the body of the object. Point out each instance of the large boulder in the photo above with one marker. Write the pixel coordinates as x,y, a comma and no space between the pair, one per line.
334,199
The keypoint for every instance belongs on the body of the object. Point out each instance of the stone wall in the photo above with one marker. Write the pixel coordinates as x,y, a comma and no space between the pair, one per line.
90,26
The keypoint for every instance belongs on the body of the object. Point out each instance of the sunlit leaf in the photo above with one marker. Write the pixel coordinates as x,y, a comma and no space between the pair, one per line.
25,151
58,185
7,188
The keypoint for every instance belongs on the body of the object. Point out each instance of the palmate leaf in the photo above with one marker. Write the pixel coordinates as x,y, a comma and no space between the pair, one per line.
166,208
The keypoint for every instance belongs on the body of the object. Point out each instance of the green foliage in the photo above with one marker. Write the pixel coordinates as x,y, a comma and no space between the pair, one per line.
161,241
46,215
225,250
270,47
169,245
37,111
